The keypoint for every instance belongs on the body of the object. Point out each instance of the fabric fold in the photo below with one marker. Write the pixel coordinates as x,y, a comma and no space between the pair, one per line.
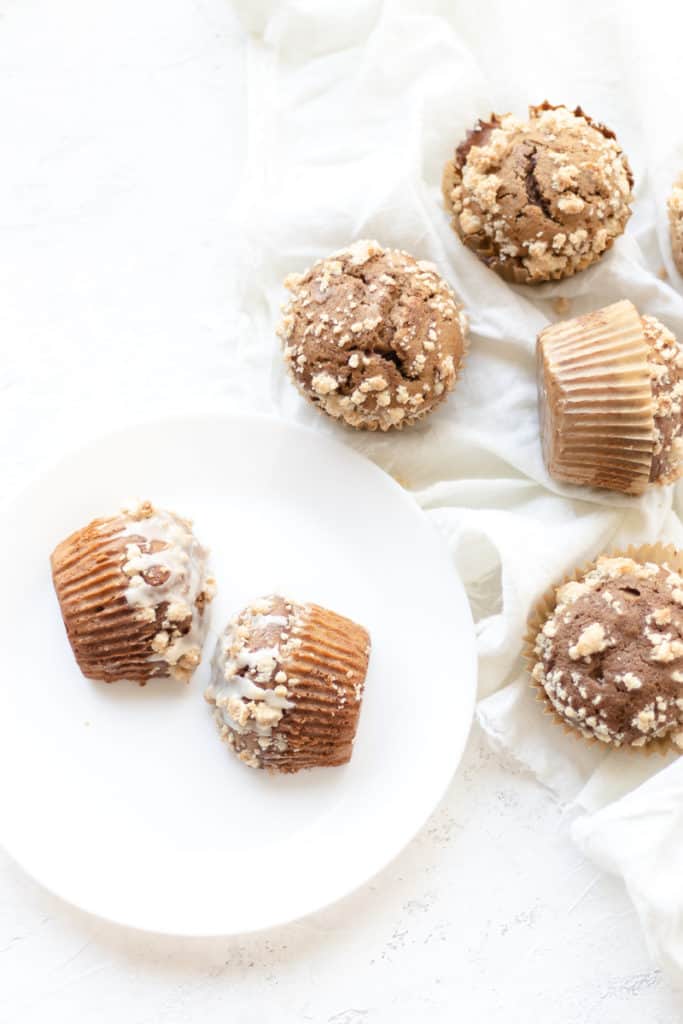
355,110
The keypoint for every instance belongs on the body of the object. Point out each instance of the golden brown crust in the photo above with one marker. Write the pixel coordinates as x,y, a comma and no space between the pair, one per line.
540,199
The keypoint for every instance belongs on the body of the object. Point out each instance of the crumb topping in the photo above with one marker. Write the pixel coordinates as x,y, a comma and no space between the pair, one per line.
372,336
610,656
609,405
540,199
665,363
591,640
168,583
286,684
248,684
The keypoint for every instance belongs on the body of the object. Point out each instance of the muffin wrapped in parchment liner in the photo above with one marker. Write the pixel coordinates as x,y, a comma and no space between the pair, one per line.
133,590
610,388
287,685
538,199
604,649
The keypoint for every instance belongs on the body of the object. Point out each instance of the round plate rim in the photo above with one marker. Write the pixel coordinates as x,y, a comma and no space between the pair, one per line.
469,663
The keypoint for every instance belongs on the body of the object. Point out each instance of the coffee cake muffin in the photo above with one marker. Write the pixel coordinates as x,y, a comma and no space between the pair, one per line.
372,336
287,684
611,400
538,200
133,590
609,656
676,223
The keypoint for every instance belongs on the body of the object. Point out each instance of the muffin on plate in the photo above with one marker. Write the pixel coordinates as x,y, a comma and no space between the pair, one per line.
676,223
133,590
606,649
287,684
611,400
540,199
372,336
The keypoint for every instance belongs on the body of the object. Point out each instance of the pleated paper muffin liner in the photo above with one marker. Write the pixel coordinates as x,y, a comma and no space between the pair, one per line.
108,639
661,554
133,600
595,400
330,665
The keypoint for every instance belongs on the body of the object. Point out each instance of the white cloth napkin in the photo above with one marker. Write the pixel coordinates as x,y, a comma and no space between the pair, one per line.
353,110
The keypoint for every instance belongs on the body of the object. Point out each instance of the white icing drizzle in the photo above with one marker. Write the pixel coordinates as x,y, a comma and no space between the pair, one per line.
175,575
263,621
242,706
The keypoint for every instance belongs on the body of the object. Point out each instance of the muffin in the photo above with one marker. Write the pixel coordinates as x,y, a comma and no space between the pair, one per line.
610,388
372,336
133,590
676,223
287,683
541,199
609,656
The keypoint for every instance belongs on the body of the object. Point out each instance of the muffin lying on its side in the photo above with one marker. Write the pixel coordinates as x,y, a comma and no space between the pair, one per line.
133,591
610,387
287,685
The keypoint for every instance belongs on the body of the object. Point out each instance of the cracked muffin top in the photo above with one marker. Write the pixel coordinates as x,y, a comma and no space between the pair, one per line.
610,656
372,336
540,199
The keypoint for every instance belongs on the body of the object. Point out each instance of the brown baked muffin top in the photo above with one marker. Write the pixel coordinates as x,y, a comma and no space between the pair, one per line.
373,336
676,223
540,199
665,363
610,656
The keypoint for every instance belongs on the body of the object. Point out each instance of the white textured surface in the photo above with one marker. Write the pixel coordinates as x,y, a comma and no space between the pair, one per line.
489,916
119,148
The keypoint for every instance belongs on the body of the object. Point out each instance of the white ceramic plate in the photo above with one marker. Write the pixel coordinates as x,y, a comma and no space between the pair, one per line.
122,799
